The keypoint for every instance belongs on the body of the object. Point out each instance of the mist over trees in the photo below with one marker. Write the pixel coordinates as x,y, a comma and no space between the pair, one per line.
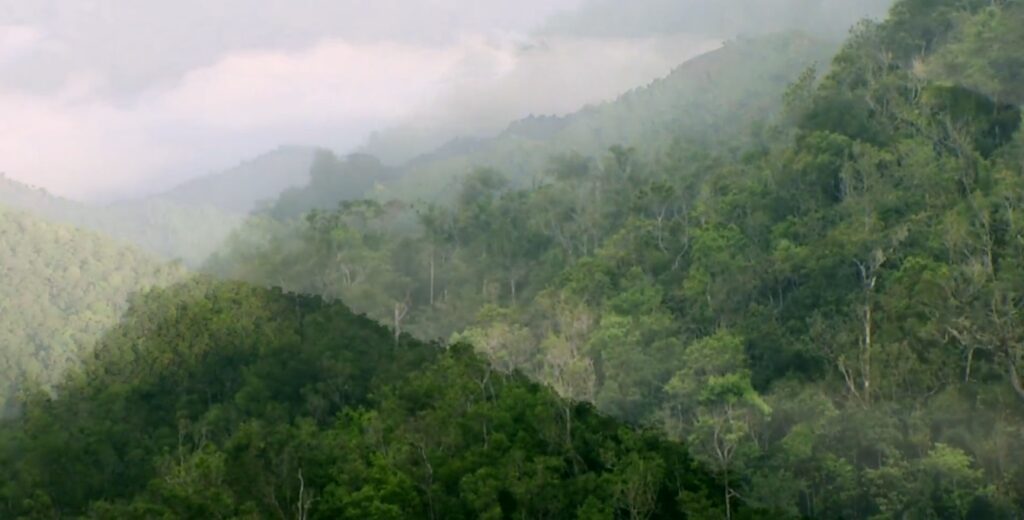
829,19
782,282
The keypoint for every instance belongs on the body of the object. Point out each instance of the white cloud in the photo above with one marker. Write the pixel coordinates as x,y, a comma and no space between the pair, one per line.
558,75
545,76
81,144
16,41
330,80
111,97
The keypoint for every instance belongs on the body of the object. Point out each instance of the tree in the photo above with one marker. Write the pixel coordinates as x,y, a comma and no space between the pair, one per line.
714,406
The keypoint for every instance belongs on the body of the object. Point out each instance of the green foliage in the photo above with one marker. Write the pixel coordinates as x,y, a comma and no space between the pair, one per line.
825,307
984,53
712,98
62,288
331,180
219,400
163,227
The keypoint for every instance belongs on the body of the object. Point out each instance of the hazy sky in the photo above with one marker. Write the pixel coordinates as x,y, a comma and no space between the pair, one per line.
110,96
105,98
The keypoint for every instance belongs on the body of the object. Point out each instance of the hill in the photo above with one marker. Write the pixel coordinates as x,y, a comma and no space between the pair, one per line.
824,306
165,229
223,401
62,288
332,180
188,222
242,188
710,99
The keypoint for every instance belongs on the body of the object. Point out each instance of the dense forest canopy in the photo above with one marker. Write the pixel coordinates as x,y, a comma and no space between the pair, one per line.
769,285
187,222
62,288
832,291
162,228
712,98
219,400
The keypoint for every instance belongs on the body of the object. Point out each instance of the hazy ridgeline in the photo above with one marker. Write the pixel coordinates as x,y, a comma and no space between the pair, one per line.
780,282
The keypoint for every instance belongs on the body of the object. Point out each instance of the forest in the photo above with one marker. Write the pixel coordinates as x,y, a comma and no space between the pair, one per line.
788,288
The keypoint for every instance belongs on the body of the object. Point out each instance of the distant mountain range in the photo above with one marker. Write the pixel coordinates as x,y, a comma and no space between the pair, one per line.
61,289
241,188
187,222
711,98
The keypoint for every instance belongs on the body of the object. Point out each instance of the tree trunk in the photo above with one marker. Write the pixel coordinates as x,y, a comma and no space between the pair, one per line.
400,310
1015,378
970,361
866,366
431,277
728,498
568,425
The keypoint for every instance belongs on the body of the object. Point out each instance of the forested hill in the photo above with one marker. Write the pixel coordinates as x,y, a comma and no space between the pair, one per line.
827,311
711,98
165,229
219,400
60,288
187,222
241,189
808,312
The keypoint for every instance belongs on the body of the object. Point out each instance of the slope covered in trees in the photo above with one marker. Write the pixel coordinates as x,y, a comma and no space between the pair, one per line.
332,180
827,309
187,222
219,400
712,97
61,288
244,187
165,229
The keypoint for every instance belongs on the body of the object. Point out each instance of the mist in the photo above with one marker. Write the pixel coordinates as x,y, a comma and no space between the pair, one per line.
593,259
109,100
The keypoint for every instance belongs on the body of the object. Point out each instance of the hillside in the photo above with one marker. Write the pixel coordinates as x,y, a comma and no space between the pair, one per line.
168,230
62,288
757,289
709,99
188,222
242,188
823,304
332,180
224,401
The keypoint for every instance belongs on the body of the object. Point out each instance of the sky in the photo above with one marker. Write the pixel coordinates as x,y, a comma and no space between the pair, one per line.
105,99
102,99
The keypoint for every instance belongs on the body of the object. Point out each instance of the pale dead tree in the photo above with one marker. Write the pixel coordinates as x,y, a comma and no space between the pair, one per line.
508,347
573,377
426,482
869,269
566,367
637,487
992,324
1004,334
305,500
719,438
400,311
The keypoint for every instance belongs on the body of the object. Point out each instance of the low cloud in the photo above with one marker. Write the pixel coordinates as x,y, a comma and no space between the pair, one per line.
16,41
79,142
548,75
82,144
558,75
117,98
